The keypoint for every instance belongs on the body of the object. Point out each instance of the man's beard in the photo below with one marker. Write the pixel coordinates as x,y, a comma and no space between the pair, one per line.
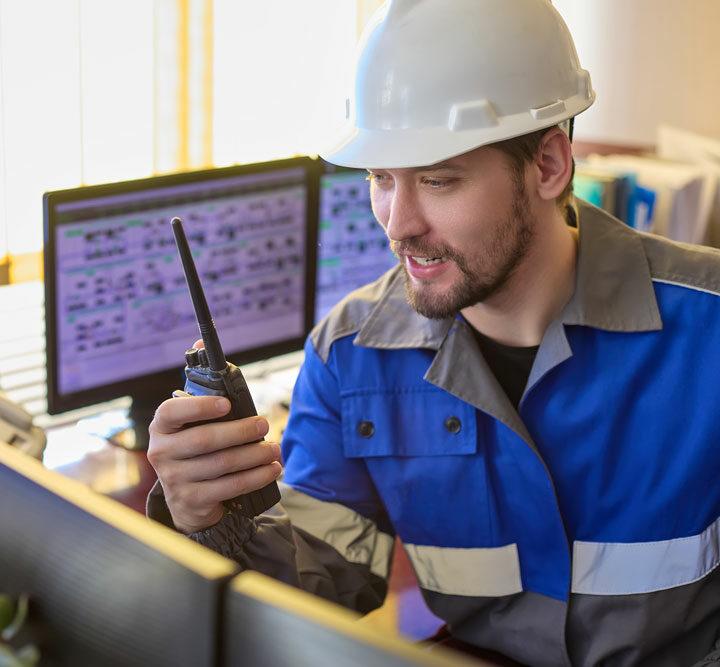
481,276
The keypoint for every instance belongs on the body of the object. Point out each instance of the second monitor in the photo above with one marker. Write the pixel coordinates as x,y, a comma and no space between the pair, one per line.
353,249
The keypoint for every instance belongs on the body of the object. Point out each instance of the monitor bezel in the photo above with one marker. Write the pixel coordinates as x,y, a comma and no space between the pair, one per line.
259,608
68,533
157,386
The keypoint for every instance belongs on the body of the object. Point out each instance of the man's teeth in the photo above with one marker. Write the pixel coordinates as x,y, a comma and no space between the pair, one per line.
426,261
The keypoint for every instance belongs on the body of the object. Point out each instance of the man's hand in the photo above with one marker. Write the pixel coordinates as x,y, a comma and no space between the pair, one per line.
200,466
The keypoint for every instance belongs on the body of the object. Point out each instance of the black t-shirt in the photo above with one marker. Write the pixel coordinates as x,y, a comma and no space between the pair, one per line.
510,365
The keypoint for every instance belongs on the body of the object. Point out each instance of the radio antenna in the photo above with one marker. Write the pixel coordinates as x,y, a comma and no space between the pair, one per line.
215,354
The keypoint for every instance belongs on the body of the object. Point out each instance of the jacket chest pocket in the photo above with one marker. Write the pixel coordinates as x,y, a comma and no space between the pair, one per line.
420,448
405,423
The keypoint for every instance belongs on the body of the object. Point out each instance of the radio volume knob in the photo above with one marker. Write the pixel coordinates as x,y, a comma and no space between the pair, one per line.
191,358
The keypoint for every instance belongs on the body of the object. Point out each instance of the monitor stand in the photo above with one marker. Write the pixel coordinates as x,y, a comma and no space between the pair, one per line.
136,436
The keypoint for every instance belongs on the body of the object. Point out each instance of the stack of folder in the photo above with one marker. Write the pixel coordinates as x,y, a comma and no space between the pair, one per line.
617,191
674,193
681,145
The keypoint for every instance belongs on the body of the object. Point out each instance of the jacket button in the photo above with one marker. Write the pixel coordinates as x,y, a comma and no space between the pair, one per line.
366,429
453,425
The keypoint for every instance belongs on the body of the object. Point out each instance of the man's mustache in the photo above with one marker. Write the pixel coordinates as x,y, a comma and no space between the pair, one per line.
420,249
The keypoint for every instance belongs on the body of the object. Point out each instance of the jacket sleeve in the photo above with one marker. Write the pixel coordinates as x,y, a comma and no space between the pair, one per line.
329,535
711,659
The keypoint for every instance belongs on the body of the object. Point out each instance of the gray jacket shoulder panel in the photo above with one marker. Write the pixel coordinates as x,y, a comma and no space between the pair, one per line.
692,266
348,316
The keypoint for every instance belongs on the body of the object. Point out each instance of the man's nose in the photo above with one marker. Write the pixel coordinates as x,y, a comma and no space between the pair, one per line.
405,219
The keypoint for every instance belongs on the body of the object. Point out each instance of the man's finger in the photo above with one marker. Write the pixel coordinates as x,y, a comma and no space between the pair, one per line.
209,438
199,344
175,413
232,459
239,483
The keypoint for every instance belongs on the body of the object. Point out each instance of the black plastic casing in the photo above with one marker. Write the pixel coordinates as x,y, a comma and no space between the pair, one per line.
203,381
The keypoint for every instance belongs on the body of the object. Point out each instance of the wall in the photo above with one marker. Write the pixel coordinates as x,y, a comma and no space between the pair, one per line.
651,61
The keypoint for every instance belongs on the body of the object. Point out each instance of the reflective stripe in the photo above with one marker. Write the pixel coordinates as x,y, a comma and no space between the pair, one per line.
355,537
643,567
488,572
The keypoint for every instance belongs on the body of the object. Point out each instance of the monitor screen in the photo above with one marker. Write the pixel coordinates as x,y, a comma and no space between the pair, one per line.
352,247
118,308
106,586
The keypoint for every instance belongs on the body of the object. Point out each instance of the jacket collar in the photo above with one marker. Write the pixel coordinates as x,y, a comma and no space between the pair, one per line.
613,284
393,324
613,291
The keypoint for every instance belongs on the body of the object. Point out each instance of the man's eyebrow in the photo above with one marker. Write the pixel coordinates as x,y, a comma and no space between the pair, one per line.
445,164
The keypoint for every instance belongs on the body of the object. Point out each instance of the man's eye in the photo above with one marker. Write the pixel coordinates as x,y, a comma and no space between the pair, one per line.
436,183
378,179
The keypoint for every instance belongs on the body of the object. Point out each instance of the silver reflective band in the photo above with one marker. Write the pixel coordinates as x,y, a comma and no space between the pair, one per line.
615,568
356,538
479,572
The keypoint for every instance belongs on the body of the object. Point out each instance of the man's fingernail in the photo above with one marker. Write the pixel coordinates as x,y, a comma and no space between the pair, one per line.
222,405
260,426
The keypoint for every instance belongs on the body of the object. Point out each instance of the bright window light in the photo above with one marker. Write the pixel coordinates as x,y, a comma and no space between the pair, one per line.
89,94
277,65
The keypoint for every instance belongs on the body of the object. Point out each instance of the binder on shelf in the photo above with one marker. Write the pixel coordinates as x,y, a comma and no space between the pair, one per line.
612,189
596,189
644,208
677,144
681,209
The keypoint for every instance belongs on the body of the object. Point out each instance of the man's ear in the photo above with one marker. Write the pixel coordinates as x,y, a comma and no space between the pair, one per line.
553,164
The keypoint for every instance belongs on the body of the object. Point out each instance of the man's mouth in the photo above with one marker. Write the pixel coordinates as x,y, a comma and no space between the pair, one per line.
427,261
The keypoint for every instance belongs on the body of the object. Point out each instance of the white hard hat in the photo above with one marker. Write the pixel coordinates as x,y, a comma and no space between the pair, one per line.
437,78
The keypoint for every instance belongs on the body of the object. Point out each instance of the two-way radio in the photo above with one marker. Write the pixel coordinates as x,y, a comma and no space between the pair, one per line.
208,373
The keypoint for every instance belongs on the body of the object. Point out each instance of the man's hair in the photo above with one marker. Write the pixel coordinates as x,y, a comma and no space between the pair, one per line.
523,150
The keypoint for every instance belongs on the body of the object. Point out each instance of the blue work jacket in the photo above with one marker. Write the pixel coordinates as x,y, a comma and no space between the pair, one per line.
580,528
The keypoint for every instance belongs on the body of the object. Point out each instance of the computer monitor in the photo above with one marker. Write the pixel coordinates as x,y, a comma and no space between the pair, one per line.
353,249
118,312
270,623
107,586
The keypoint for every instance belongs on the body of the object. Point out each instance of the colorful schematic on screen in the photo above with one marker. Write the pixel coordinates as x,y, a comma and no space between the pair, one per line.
352,247
122,303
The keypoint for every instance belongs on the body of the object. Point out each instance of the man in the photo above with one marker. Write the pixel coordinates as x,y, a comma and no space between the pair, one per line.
530,409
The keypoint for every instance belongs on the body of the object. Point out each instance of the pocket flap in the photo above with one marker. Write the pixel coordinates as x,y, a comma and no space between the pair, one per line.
407,423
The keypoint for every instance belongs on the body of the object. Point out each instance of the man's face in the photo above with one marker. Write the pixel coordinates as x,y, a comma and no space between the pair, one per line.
460,228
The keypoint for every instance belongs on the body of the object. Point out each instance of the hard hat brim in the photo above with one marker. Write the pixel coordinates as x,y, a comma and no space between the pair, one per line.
400,148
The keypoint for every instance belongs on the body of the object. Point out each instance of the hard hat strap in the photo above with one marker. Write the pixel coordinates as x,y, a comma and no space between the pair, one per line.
568,127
